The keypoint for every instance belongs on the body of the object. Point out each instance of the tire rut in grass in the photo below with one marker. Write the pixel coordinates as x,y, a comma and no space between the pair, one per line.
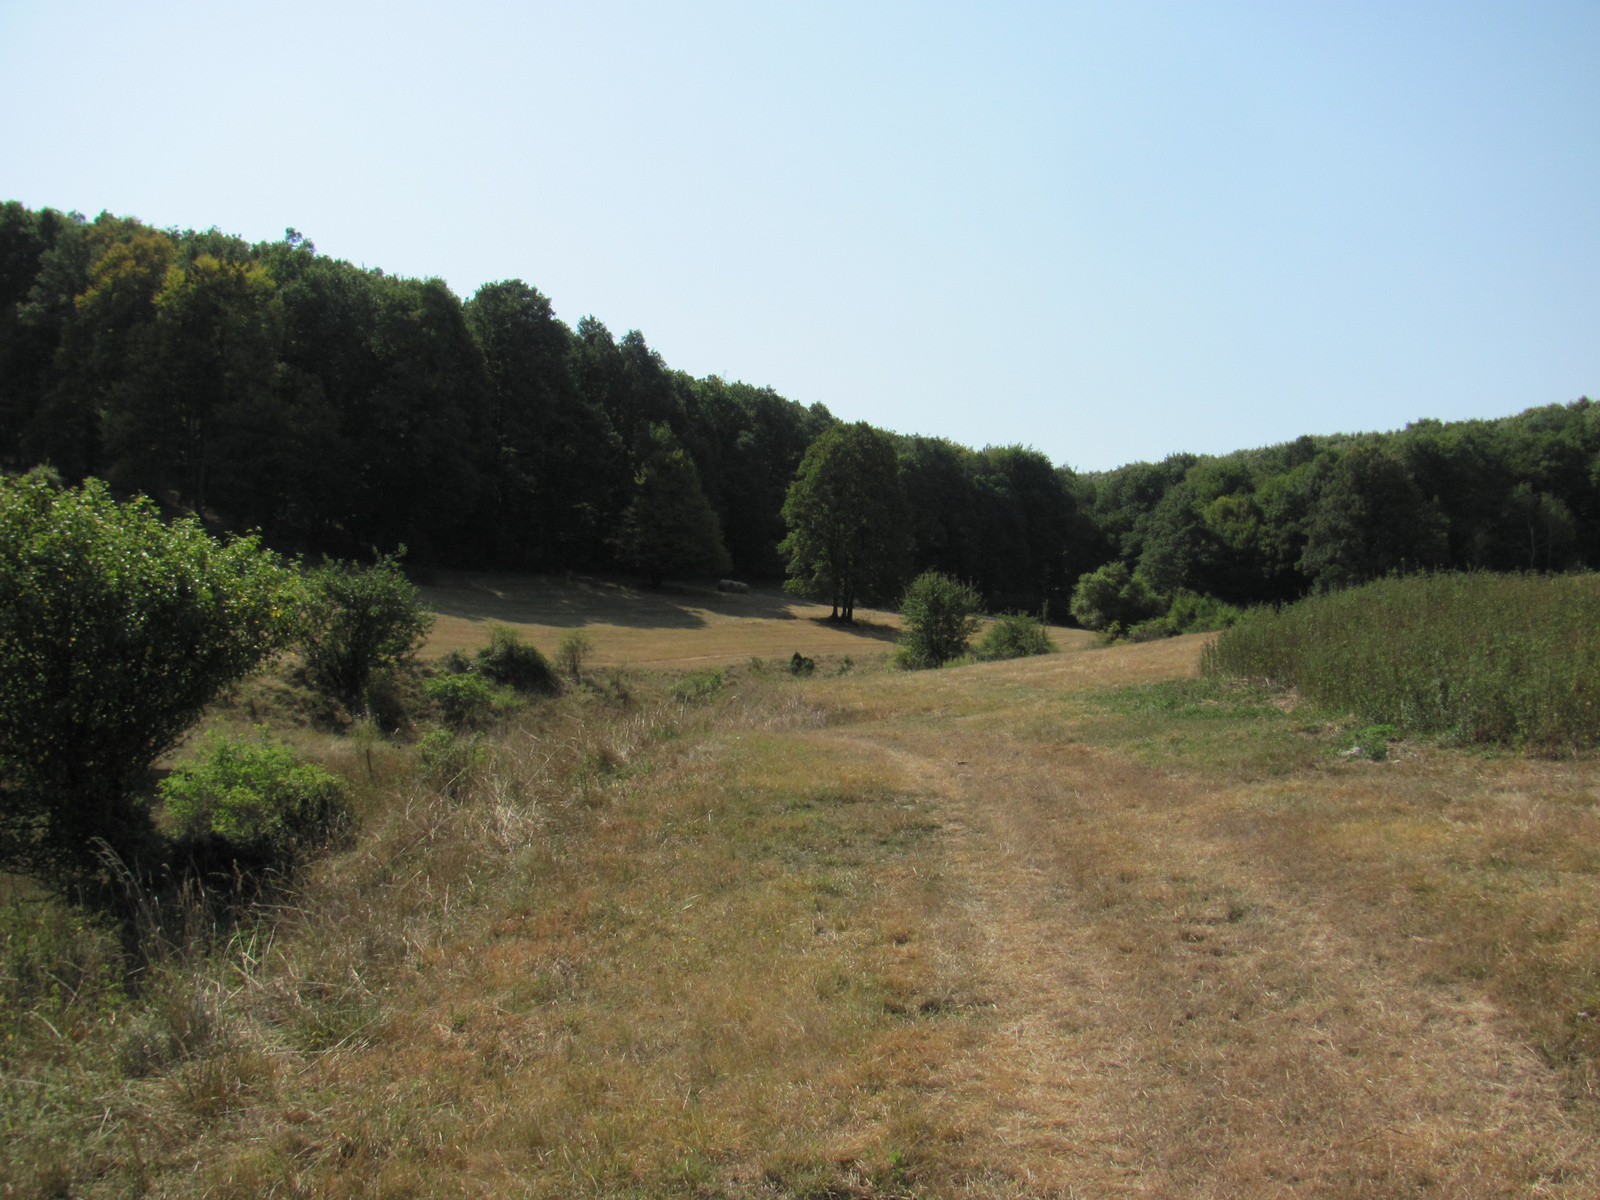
1174,1015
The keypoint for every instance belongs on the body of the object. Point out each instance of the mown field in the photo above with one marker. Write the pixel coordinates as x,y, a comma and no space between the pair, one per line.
678,626
1080,925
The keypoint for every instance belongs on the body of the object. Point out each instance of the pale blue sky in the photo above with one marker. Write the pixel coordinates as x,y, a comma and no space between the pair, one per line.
1111,231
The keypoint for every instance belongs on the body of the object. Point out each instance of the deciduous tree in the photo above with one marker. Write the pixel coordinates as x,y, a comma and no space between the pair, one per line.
669,528
849,524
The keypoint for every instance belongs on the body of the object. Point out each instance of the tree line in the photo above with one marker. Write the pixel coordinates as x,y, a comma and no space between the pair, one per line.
346,411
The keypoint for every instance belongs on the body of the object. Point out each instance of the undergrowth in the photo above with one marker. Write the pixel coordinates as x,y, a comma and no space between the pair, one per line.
1512,659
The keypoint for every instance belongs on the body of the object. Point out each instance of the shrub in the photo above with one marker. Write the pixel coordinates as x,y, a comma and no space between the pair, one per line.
360,620
1490,658
1373,741
1114,596
939,615
1185,612
258,795
571,654
697,687
1190,612
116,630
508,660
801,665
1152,630
1015,635
464,701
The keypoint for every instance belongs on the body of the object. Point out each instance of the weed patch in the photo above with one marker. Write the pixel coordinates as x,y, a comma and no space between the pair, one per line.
1510,659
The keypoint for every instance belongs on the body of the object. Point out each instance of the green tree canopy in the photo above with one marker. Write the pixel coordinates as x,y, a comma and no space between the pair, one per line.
1371,519
849,523
669,528
115,631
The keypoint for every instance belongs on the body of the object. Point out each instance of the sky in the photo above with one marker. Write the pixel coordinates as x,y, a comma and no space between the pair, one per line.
1110,231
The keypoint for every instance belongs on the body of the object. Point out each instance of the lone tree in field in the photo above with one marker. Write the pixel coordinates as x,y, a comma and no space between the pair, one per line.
116,629
849,522
670,528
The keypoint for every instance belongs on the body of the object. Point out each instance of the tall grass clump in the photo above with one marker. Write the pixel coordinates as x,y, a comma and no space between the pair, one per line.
1511,659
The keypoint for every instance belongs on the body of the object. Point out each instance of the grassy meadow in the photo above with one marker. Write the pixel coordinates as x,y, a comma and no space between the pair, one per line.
677,627
1087,924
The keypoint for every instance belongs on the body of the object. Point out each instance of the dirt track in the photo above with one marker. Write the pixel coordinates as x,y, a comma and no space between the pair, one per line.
1182,1007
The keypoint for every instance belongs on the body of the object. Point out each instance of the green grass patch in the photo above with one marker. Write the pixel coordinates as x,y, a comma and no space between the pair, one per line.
1509,659
1192,699
1209,724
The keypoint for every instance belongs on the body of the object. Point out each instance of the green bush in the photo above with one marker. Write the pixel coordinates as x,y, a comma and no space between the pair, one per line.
510,661
1373,741
697,687
939,615
1487,658
1190,612
464,701
116,630
1186,612
1113,598
1152,630
360,620
258,795
800,665
1015,635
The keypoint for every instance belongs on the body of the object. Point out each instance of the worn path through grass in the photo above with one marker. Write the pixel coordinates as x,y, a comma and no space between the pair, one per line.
1191,994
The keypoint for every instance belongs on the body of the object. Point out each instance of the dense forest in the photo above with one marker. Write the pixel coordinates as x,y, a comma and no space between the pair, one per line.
342,410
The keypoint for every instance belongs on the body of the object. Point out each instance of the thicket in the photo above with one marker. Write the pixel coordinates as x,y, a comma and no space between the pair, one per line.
258,796
359,620
518,665
1511,659
1187,612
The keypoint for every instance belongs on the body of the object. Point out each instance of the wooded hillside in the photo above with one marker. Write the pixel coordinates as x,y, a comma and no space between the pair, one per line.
340,409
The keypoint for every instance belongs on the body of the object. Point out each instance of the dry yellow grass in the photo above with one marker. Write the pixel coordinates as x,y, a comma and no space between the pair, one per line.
679,626
676,627
995,931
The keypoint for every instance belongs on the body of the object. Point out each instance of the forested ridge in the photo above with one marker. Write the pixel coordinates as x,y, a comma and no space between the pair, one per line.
343,410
